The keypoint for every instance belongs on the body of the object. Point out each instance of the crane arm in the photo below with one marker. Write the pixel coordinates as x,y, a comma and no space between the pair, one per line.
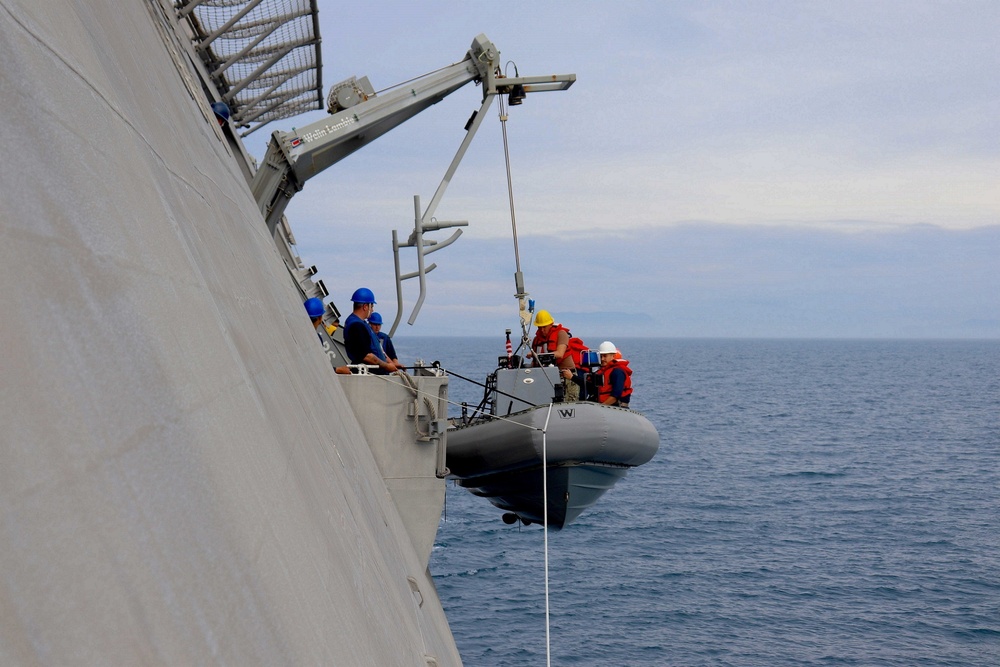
294,157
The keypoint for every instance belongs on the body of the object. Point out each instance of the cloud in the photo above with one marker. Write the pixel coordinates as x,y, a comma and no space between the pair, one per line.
779,169
745,114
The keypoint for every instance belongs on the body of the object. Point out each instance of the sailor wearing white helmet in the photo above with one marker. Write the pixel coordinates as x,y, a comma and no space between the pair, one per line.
615,377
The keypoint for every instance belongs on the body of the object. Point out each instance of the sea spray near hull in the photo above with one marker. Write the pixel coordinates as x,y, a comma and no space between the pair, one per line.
183,480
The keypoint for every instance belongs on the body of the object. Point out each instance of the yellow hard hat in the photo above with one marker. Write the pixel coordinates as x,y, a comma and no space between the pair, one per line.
543,319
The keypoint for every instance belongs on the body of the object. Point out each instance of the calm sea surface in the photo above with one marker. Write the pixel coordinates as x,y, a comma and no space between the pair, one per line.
812,503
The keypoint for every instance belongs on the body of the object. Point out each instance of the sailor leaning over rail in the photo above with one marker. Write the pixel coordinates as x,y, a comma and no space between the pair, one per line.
553,338
375,322
362,344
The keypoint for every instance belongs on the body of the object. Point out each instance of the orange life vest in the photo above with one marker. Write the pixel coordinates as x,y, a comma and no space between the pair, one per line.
604,391
542,344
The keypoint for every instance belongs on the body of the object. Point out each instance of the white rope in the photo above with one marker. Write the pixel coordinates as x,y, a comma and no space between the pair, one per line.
417,395
545,529
545,505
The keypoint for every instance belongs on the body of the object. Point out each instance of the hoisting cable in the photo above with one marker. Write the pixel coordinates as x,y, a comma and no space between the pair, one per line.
521,295
510,186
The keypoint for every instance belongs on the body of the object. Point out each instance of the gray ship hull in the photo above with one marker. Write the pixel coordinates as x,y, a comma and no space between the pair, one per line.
183,479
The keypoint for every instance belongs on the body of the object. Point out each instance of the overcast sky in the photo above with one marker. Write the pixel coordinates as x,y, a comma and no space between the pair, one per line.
779,169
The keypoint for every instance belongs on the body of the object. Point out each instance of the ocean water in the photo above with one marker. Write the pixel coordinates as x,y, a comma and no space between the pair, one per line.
812,503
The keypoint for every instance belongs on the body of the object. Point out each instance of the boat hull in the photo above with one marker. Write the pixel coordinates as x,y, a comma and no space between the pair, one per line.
571,489
586,448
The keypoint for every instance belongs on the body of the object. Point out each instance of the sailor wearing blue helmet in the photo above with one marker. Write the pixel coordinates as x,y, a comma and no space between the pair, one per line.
363,346
315,309
375,322
221,111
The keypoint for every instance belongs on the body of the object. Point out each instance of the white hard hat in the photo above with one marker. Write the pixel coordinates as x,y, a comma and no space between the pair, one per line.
607,347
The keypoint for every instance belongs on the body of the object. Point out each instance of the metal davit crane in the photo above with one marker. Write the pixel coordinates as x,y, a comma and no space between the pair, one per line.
359,116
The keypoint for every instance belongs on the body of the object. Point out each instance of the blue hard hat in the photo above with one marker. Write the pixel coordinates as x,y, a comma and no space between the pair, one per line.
314,307
363,295
374,318
221,110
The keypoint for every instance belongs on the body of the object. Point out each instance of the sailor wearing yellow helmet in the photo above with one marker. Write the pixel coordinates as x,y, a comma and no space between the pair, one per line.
553,338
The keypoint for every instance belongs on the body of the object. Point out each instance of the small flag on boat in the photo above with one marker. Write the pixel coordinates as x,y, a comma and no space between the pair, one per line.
510,348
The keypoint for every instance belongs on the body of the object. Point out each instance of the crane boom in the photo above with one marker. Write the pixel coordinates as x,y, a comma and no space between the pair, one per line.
294,157
360,116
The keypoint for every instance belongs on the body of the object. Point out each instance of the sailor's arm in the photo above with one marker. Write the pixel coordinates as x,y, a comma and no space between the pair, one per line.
372,358
562,349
